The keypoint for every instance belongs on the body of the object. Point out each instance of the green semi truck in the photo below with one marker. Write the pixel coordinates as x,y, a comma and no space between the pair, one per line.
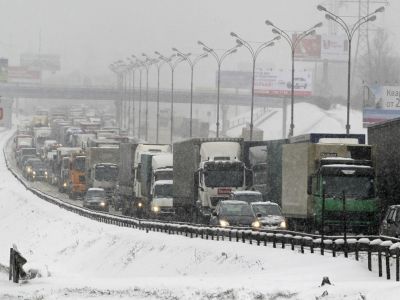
329,180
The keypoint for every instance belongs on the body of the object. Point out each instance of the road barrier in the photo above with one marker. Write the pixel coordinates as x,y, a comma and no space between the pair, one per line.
371,246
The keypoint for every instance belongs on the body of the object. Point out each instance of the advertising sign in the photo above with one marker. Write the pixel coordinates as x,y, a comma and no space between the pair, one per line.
23,74
383,104
279,83
42,62
334,48
309,48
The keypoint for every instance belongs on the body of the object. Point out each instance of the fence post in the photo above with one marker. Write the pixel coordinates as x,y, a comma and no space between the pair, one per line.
369,258
387,258
243,237
397,266
380,262
11,264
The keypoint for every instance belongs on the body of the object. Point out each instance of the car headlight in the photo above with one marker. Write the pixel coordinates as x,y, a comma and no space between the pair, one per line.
223,223
156,208
282,224
140,204
102,204
45,173
256,224
29,170
65,184
34,172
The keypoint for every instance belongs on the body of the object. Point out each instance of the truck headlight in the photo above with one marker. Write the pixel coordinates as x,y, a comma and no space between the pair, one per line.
34,172
140,204
29,170
65,184
282,224
45,173
223,223
256,224
156,209
102,204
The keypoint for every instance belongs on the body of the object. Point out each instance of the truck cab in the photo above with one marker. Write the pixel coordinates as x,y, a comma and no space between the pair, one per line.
77,181
105,175
220,173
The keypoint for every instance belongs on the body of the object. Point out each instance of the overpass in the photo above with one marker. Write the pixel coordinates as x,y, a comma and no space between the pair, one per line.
101,93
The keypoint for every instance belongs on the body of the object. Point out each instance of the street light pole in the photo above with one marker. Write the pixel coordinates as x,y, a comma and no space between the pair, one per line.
219,60
350,31
254,54
192,64
172,65
293,43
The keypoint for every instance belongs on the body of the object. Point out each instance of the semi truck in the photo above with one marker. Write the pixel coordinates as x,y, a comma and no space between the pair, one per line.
206,171
129,196
328,181
156,173
102,168
77,180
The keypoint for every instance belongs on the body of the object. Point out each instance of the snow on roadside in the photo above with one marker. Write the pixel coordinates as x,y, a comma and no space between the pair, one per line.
80,259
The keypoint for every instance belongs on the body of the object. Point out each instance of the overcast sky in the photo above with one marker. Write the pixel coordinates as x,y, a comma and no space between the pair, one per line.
90,34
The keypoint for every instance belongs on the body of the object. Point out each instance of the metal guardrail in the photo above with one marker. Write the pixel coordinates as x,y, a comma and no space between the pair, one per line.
377,246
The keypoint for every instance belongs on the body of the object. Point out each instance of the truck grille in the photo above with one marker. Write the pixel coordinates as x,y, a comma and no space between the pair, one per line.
351,217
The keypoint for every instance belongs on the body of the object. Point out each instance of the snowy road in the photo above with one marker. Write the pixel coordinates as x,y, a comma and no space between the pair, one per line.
82,259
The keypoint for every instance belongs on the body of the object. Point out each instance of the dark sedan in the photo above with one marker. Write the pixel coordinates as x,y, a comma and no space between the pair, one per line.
234,213
95,199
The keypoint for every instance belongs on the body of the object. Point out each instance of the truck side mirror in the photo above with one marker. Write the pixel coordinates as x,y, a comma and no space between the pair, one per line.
309,185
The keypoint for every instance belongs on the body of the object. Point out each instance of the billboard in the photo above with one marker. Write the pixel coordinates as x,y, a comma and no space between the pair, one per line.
279,83
382,105
42,62
5,112
23,74
308,48
334,48
234,79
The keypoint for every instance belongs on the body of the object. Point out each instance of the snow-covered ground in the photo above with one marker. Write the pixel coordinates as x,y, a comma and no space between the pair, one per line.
82,259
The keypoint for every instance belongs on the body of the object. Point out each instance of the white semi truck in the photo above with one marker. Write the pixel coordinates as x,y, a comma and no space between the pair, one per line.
206,171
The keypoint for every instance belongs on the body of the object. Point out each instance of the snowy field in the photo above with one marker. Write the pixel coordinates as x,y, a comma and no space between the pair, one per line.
82,259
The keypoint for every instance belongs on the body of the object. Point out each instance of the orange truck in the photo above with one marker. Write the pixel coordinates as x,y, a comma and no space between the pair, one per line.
77,181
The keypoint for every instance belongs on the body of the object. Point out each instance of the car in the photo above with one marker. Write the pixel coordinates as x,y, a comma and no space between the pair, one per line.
27,169
269,214
233,213
391,222
96,199
299,82
38,169
247,196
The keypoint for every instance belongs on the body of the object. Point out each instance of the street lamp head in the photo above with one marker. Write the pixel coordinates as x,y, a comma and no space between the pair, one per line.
371,18
318,25
239,42
206,49
174,49
269,23
233,50
201,43
380,9
277,38
321,8
276,31
234,34
329,17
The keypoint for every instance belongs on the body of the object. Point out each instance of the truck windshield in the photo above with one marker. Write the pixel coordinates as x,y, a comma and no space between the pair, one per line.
106,173
79,164
248,197
163,175
353,186
163,191
224,178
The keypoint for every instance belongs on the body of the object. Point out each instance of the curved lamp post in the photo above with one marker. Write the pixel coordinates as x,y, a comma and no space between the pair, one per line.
349,30
219,60
172,64
293,43
254,54
147,64
192,64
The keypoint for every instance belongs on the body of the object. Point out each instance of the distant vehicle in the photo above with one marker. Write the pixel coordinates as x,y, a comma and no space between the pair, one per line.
247,196
39,170
27,170
299,82
234,213
269,214
24,159
391,222
96,199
